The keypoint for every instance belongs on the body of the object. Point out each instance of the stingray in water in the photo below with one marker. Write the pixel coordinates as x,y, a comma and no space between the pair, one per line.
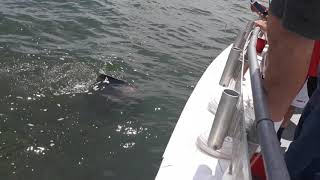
53,114
111,87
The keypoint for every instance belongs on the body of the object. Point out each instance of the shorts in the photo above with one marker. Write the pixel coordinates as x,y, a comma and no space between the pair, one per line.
299,16
302,98
303,156
312,85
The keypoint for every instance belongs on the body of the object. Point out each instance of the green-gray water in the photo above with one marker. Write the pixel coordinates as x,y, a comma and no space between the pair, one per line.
51,53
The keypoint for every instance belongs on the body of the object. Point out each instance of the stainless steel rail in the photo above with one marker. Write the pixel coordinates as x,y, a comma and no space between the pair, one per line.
275,166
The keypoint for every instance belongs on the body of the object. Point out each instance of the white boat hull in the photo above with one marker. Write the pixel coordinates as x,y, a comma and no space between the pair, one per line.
182,157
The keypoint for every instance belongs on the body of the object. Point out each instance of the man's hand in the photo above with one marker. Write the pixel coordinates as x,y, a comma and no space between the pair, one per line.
262,24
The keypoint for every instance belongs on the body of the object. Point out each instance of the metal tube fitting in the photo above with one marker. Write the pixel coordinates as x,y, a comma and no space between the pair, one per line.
239,42
243,35
231,65
223,118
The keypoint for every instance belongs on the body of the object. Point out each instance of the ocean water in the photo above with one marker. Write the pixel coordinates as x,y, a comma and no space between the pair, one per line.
53,128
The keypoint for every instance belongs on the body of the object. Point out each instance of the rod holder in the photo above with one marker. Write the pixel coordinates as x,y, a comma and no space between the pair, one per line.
232,62
243,35
231,65
240,40
223,118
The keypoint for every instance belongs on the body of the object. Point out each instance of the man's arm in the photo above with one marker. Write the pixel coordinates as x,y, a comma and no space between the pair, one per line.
288,62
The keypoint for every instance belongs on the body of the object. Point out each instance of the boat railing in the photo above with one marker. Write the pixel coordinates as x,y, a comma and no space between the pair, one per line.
274,164
235,122
229,115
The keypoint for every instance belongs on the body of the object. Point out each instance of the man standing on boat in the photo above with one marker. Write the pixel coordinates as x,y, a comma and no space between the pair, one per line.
293,25
307,90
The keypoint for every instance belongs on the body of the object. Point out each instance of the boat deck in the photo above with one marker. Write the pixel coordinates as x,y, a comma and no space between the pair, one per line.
183,158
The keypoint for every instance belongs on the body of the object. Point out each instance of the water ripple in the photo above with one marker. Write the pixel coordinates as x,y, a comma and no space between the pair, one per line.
50,55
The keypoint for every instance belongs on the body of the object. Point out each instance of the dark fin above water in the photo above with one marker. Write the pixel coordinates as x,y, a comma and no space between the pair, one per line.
111,80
